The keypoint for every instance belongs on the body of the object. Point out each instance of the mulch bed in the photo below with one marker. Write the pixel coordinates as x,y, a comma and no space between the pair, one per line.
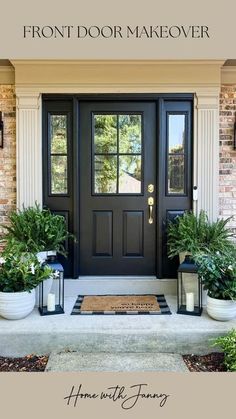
32,363
29,363
205,363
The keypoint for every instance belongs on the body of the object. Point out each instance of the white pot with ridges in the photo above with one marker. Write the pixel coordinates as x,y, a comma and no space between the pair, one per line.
16,305
222,310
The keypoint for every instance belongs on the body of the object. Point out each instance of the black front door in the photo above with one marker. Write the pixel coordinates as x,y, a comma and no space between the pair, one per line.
118,167
117,188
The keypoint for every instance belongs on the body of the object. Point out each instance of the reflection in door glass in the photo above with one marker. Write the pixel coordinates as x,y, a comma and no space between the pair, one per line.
176,133
130,174
117,141
58,159
58,136
105,174
105,133
176,153
130,133
58,174
176,174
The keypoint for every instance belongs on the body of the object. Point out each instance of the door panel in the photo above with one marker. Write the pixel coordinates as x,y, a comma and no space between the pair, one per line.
102,233
118,161
133,233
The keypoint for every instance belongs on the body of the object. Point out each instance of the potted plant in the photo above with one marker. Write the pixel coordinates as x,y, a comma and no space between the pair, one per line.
190,234
36,230
20,274
218,273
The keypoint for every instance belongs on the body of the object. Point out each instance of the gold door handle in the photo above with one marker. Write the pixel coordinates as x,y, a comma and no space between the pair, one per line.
150,208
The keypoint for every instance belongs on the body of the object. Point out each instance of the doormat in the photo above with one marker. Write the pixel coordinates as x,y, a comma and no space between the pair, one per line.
121,304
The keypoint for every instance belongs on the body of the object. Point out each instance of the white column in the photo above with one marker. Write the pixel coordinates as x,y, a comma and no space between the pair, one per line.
28,149
206,172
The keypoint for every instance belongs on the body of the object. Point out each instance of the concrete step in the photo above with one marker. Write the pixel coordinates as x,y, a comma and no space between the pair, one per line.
111,334
84,361
86,285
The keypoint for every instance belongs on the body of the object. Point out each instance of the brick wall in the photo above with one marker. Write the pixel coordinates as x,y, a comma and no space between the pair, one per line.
227,154
8,152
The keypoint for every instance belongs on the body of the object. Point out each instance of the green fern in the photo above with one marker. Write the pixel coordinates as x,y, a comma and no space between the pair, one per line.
35,229
193,234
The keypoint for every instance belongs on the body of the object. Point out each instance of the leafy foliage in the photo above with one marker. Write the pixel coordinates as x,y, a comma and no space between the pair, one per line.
218,273
34,230
21,271
193,234
109,130
228,344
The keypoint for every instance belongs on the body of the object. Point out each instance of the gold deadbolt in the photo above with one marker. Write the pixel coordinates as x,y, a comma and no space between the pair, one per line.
150,188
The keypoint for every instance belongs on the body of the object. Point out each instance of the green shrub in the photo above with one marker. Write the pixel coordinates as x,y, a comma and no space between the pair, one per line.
228,344
35,229
218,273
193,234
21,271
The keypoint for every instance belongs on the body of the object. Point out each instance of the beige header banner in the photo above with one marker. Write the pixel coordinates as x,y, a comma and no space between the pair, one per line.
108,29
120,395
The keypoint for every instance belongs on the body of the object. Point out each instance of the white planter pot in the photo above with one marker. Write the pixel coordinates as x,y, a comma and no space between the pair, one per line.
16,305
222,310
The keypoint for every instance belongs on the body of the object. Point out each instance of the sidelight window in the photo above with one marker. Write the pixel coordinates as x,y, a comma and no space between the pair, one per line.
176,153
58,150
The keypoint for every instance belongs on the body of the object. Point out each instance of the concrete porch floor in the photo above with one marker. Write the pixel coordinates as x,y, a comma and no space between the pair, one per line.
174,333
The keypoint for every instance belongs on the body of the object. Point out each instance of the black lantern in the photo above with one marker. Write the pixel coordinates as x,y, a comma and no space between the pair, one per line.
189,289
1,130
55,299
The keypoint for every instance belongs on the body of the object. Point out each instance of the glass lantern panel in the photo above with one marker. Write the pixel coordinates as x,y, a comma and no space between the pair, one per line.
189,291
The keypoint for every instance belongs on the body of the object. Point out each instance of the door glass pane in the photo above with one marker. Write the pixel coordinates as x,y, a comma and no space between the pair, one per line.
58,130
59,174
176,133
117,153
176,153
105,174
130,133
176,174
105,133
130,174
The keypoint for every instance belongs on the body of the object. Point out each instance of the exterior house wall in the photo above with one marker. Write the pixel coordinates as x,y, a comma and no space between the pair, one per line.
227,169
8,152
227,192
201,78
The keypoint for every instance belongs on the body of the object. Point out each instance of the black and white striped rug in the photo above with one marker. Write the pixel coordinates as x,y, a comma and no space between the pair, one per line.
160,299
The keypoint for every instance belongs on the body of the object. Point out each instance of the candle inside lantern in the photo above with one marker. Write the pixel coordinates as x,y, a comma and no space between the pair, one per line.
190,301
51,302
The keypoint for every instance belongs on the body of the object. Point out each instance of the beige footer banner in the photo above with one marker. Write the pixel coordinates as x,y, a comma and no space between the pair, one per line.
121,395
